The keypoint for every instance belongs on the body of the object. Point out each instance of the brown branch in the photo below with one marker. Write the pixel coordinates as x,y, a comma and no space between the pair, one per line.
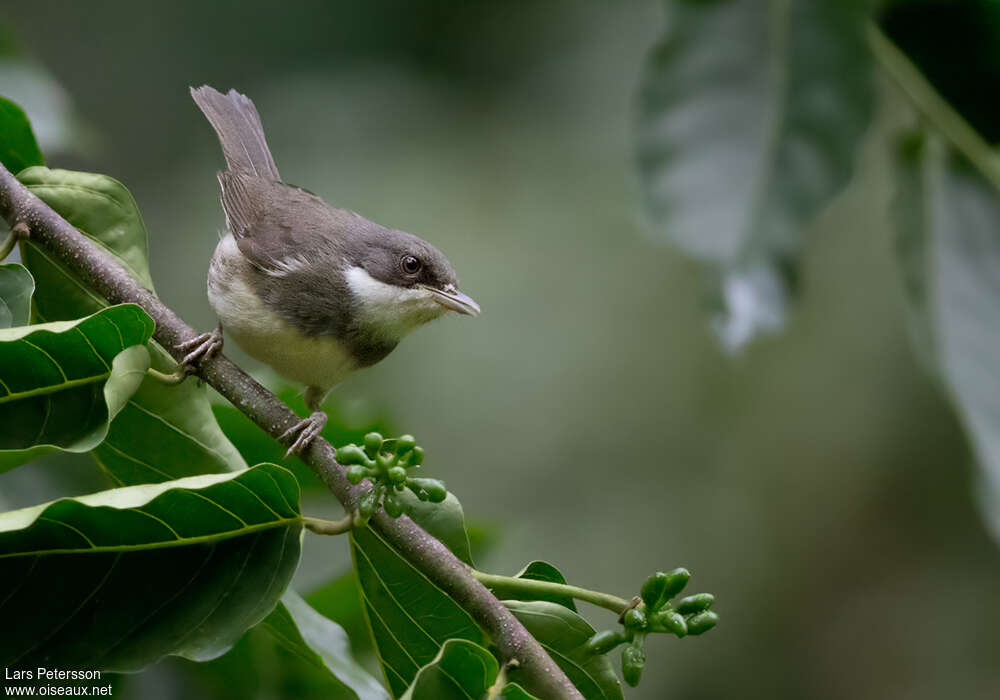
18,205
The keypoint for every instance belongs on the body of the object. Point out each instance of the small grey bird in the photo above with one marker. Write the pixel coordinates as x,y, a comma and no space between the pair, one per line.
314,291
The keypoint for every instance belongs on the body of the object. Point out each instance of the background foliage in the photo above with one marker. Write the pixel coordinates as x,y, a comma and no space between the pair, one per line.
821,479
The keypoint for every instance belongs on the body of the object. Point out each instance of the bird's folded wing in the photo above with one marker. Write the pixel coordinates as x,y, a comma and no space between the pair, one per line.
275,223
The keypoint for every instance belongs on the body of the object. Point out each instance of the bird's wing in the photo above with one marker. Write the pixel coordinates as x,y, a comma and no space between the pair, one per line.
279,227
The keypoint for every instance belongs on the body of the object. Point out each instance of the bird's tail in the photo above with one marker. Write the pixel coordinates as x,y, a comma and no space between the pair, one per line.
235,120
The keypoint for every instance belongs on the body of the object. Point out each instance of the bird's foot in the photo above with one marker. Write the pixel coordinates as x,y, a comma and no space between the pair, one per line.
200,348
304,432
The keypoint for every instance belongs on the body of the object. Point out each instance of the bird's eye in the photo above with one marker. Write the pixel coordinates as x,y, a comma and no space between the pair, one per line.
410,264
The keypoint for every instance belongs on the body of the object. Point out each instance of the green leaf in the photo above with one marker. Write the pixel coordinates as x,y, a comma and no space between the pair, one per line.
18,148
62,383
461,670
104,210
16,288
321,642
564,634
164,432
340,600
536,571
751,116
445,521
948,219
409,617
118,579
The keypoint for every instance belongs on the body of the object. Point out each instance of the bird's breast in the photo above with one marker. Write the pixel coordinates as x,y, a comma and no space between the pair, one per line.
320,361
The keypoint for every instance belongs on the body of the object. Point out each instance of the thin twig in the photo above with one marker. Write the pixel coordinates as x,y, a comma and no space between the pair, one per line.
103,274
331,527
535,587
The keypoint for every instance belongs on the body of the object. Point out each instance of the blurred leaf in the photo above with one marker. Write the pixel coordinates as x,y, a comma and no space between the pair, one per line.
948,227
751,115
460,671
18,149
16,288
409,617
343,427
64,382
564,634
117,579
164,432
483,537
258,666
537,571
340,600
320,642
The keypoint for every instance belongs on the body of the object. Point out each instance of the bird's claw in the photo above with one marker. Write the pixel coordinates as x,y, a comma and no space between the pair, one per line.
200,348
304,432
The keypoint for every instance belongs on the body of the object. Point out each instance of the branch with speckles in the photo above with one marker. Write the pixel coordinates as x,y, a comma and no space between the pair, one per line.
46,229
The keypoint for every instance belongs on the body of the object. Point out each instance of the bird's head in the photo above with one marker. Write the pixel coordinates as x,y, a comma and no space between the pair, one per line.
399,281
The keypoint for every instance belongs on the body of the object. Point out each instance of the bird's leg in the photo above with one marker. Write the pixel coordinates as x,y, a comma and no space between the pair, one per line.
306,430
200,348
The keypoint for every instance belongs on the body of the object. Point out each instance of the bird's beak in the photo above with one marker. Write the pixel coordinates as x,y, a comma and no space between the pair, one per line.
451,298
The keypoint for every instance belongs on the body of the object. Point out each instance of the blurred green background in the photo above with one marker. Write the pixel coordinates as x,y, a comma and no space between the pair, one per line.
817,483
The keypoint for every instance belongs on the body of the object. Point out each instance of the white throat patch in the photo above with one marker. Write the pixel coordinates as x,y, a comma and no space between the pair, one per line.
388,310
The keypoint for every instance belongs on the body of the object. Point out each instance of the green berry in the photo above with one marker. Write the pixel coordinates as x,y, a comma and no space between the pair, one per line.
603,642
633,659
373,443
434,488
702,622
695,603
417,456
670,621
397,475
662,586
351,454
676,580
393,504
356,472
405,443
635,620
652,590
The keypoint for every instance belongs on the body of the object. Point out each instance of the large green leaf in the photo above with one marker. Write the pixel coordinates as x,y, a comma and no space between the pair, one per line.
18,148
460,671
340,600
104,210
16,287
116,580
564,634
62,383
322,643
948,222
164,432
409,617
751,115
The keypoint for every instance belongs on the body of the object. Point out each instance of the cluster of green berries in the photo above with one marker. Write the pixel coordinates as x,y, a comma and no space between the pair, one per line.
653,612
387,463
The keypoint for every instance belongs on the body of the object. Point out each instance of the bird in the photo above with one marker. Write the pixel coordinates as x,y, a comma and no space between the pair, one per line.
314,291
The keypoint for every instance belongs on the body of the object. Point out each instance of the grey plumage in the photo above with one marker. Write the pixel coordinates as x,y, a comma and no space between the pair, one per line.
312,290
294,241
237,124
